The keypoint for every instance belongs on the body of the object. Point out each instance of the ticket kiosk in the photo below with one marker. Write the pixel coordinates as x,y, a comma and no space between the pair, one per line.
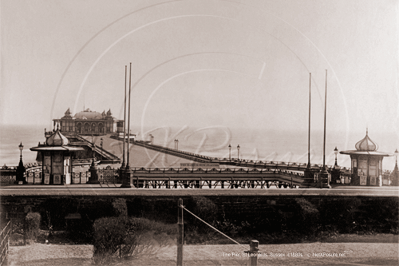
56,159
366,163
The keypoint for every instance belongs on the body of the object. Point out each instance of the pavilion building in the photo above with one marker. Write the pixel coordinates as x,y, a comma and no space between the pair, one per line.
88,122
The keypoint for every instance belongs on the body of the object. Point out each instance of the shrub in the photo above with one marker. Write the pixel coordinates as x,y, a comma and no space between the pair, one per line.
146,236
120,207
203,208
120,237
382,215
109,235
55,210
81,231
32,221
163,210
307,217
340,215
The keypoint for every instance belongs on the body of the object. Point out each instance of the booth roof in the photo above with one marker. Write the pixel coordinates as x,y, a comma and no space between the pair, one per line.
376,153
56,148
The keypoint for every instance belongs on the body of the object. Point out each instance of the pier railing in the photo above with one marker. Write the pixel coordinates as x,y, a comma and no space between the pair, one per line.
249,171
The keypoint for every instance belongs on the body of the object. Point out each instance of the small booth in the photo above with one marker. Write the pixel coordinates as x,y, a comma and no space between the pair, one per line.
56,159
366,163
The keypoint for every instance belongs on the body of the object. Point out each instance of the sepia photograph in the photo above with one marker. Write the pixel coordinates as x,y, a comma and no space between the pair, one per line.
199,132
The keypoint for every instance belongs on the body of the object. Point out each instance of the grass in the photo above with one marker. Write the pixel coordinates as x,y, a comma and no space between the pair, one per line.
372,249
353,253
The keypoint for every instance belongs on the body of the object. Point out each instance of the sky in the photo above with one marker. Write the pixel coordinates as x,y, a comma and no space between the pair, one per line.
204,63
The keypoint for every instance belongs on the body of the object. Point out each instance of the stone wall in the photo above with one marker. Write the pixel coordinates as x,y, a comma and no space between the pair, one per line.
368,212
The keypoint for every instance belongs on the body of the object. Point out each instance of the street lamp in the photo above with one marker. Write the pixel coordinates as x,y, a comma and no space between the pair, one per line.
229,152
395,173
336,171
93,168
176,144
101,143
93,152
20,169
238,150
336,153
21,147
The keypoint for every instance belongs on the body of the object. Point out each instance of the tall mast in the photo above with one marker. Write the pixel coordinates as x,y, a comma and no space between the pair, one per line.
310,100
325,115
128,119
124,120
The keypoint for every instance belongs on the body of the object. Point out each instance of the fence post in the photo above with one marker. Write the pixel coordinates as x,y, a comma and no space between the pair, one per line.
25,228
253,252
5,243
180,237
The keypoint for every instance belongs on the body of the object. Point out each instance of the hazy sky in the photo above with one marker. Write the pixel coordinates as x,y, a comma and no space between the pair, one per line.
203,63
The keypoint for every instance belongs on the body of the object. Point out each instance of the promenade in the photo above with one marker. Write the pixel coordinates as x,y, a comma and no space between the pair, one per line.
114,190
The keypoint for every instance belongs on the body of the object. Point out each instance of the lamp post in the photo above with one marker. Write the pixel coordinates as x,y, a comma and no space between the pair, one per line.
101,143
229,152
336,153
177,144
336,171
20,169
93,152
395,173
21,147
93,169
238,151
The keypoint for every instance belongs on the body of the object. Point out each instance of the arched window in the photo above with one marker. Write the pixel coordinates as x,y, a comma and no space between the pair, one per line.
93,128
79,128
101,128
86,128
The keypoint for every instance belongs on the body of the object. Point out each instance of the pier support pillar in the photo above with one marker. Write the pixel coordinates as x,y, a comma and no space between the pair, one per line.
308,175
336,175
126,178
93,174
324,179
20,179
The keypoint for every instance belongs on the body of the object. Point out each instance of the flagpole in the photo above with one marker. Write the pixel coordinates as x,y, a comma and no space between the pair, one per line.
325,116
323,175
310,102
128,119
124,120
127,174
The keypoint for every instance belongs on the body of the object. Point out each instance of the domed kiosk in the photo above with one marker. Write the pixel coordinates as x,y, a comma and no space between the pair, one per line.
366,162
57,159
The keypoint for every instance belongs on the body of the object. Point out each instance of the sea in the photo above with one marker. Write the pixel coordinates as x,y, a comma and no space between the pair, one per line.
214,141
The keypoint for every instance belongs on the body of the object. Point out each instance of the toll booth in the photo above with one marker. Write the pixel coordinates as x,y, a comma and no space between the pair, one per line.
56,159
366,163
